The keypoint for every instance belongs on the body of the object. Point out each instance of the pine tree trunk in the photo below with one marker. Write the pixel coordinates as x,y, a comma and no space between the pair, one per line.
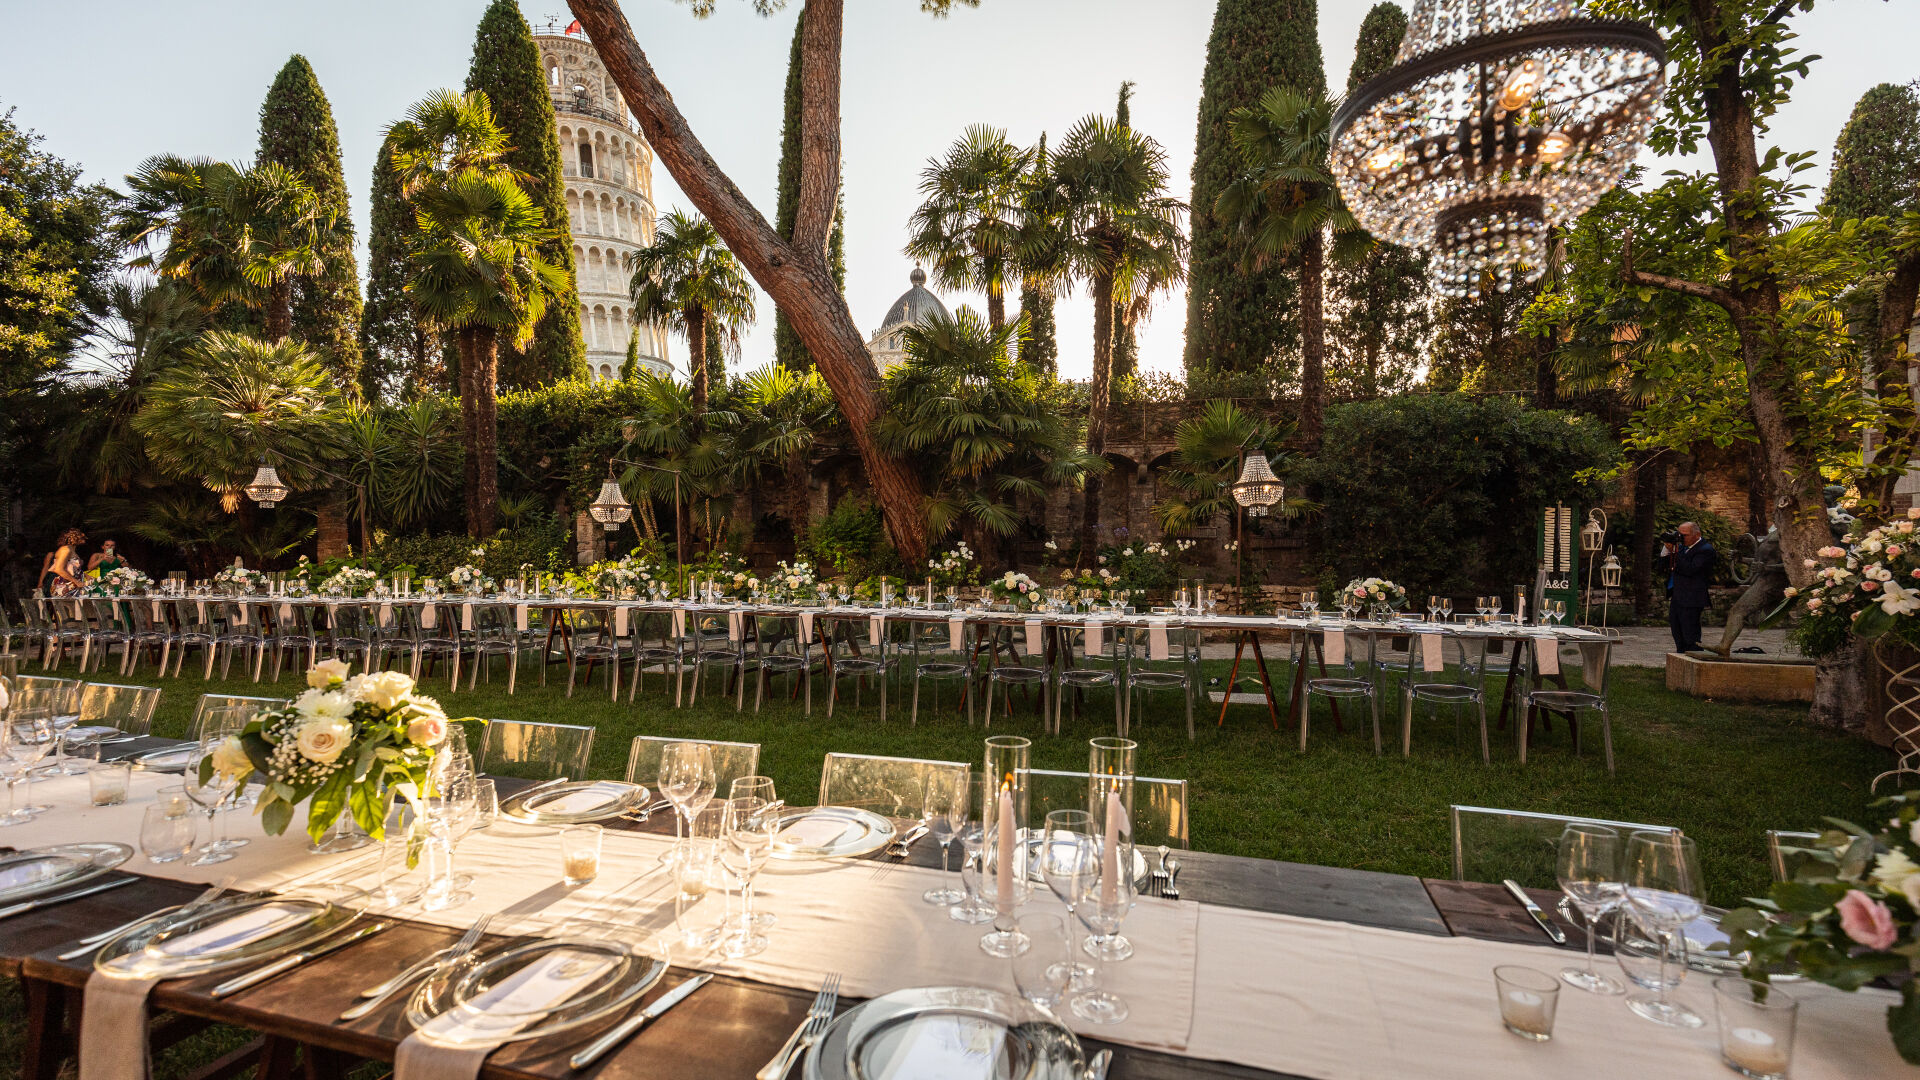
1097,406
796,272
1313,343
280,310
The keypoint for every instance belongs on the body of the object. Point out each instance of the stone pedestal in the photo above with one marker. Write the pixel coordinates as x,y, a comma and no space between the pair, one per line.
1740,679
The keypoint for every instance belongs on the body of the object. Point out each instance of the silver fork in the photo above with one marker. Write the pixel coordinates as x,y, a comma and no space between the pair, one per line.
810,1029
424,968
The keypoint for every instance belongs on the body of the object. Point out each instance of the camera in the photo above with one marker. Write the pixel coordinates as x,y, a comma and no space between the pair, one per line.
1671,536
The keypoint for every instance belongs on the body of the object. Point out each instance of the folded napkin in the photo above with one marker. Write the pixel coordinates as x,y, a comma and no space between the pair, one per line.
806,627
519,616
679,622
877,629
736,626
286,612
1034,642
619,621
1157,647
386,614
1432,653
957,634
241,609
157,616
199,610
428,616
113,1027
1096,640
1546,653
1333,647
466,615
1593,662
247,927
455,1044
587,798
815,831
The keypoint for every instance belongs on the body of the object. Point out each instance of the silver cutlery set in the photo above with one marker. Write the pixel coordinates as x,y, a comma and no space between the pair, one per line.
1163,879
819,1015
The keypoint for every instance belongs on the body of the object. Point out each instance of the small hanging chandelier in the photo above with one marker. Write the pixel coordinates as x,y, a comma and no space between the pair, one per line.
266,488
611,507
1499,120
1257,488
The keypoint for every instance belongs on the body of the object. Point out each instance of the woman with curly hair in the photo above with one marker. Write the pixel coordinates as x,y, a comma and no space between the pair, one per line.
60,572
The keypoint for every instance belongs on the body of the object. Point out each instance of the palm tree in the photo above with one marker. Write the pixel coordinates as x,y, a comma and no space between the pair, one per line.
688,279
968,222
239,234
977,425
147,329
1208,451
684,455
1285,202
476,261
234,401
782,414
1120,232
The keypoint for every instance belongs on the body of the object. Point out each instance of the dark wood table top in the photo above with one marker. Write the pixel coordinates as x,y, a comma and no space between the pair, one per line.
731,1026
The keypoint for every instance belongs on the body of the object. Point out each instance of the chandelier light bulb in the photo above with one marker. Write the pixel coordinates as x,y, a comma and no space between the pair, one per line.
1522,85
1386,159
1554,146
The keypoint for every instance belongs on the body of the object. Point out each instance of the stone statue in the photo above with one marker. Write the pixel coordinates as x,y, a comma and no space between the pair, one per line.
1768,589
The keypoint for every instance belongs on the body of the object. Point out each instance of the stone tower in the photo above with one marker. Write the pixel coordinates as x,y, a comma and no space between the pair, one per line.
610,210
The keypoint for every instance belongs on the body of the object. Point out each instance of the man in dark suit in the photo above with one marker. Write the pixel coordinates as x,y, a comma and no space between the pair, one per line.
1690,571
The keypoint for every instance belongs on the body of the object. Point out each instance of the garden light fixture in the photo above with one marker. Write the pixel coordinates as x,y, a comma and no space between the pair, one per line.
1499,120
1257,489
266,489
611,507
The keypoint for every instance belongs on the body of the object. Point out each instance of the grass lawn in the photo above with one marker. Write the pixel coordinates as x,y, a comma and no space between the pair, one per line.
1723,773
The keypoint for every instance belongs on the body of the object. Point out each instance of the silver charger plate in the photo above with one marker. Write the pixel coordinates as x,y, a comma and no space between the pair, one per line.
1035,873
167,759
1701,934
630,973
862,831
543,807
38,871
158,948
954,1032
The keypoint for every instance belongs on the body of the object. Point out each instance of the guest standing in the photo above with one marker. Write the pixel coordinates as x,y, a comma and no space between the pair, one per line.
60,572
1690,571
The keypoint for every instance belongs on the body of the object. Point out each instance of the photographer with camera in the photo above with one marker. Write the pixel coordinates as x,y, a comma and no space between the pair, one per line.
1690,561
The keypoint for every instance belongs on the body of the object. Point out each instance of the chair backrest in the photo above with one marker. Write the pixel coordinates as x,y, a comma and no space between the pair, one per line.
45,692
731,761
535,751
889,786
1182,648
129,708
1159,806
1493,845
1113,644
250,706
1787,852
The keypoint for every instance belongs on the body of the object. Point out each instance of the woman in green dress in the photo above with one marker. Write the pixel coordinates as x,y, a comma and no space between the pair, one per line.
106,560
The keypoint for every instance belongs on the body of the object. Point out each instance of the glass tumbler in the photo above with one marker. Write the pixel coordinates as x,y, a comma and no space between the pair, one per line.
1756,1026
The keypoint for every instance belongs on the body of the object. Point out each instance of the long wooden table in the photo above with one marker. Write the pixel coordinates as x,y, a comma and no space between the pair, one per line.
728,1029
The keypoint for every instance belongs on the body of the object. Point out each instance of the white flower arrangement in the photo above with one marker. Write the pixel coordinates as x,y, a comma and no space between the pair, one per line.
238,579
955,567
119,582
340,747
1366,592
1874,586
1015,588
469,578
794,576
349,581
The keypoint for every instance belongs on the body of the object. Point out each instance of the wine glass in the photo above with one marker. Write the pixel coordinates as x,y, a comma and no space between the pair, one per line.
209,796
747,844
945,811
1068,853
1043,972
1101,913
446,819
1493,608
845,593
972,834
953,597
24,740
687,780
1664,892
1589,872
1446,608
758,787
1433,608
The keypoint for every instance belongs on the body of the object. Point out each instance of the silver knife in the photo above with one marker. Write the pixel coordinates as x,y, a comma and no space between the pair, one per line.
591,1053
1533,909
293,960
30,905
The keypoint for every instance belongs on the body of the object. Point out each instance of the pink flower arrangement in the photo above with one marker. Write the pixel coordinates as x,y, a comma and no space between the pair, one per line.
1866,920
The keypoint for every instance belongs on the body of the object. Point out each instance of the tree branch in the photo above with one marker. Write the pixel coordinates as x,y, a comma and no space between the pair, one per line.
819,129
1711,293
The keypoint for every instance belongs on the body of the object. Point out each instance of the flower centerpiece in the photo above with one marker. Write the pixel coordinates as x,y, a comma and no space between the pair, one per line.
1373,592
124,581
615,576
349,581
237,579
1850,914
1016,589
792,580
471,579
346,745
1866,589
955,567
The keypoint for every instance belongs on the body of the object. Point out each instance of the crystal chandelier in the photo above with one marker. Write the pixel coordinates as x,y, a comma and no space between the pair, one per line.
266,488
1498,120
611,507
1257,488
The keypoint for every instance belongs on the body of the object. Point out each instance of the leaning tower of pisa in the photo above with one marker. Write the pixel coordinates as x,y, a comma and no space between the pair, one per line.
609,176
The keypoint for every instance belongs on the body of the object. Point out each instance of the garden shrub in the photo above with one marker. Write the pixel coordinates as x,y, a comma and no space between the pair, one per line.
851,542
1441,492
541,541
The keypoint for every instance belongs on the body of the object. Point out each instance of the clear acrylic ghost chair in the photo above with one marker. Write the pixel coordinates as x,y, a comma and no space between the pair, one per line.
534,751
931,653
892,787
248,707
1159,806
1788,852
855,652
731,761
1178,670
1492,845
656,647
150,631
110,627
1596,664
495,633
781,649
128,708
243,632
1465,687
1355,680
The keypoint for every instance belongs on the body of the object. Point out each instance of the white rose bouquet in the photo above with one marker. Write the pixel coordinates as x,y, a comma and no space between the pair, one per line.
349,581
955,567
1016,589
119,582
341,747
1366,592
795,577
238,579
469,578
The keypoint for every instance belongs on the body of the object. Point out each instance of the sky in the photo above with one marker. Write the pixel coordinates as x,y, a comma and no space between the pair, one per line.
109,83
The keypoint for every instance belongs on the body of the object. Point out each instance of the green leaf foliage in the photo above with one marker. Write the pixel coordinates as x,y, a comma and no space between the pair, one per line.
1236,320
788,349
397,354
1459,515
56,256
1876,160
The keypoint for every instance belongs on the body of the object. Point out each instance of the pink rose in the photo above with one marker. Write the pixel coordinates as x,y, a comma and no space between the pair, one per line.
1894,550
428,730
1867,920
1869,586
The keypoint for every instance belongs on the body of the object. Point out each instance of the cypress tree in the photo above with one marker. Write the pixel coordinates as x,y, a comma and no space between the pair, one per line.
506,66
1039,341
1380,303
1876,160
297,131
1240,321
788,349
395,352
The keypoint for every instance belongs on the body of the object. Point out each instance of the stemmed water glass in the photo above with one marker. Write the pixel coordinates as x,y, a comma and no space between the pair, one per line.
1068,852
210,795
1310,603
945,811
972,834
1664,893
1493,609
686,780
1589,872
758,787
743,849
1433,609
1101,913
447,819
1043,973
1446,608
24,740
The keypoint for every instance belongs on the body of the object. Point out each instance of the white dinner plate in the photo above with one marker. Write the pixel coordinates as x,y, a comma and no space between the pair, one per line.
831,832
951,1032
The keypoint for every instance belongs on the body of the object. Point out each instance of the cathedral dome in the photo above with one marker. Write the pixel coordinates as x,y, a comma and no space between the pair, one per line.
915,306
